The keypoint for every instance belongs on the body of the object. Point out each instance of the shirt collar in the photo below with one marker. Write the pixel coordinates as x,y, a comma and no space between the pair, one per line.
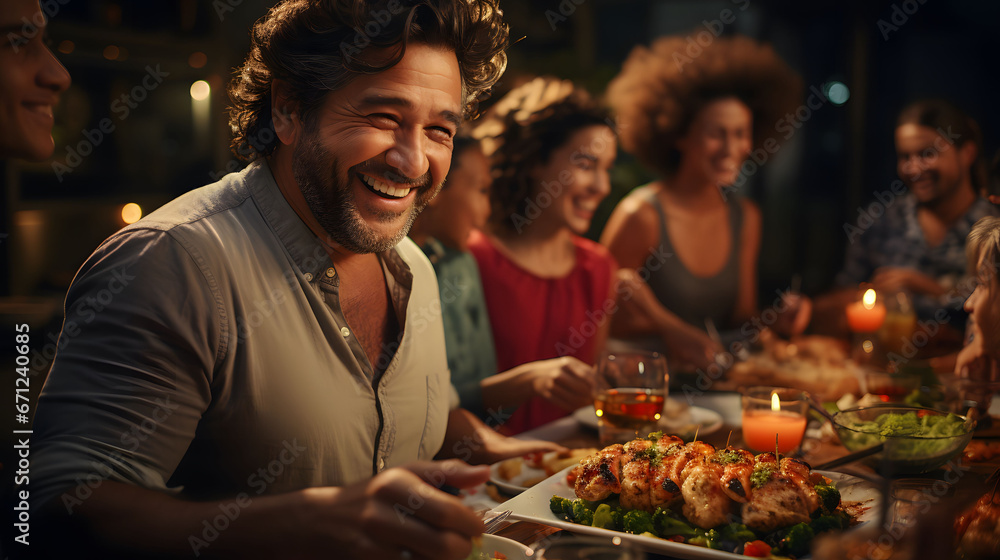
305,248
301,243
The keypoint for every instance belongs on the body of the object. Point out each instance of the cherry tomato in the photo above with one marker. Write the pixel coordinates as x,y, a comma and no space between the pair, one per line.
757,549
534,459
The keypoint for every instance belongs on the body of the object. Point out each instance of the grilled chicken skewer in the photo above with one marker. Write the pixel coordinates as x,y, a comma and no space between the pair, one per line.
783,494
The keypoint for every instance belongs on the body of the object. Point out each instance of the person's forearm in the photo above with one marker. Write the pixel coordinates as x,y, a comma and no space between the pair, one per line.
508,390
643,314
129,522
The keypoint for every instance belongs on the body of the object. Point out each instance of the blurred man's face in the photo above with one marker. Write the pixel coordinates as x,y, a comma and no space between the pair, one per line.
933,168
30,82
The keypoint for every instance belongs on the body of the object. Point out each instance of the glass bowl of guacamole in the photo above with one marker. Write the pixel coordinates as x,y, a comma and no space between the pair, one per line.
916,439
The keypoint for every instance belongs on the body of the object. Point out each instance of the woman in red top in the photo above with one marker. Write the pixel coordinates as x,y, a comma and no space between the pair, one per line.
549,291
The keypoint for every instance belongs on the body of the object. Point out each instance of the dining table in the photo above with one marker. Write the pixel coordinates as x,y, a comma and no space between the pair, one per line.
820,445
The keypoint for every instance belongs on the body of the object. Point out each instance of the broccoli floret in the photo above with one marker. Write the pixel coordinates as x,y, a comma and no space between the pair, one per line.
668,525
827,523
618,517
798,540
829,497
582,514
707,539
604,518
638,522
737,532
560,506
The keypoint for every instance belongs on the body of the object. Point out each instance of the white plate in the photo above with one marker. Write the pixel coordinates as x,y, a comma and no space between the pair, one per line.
533,505
513,550
707,421
515,485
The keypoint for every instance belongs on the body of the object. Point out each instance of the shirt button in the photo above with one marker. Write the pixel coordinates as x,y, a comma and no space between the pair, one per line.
345,331
309,277
330,272
381,464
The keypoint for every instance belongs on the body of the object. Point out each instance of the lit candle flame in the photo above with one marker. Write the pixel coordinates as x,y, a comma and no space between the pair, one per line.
868,300
775,402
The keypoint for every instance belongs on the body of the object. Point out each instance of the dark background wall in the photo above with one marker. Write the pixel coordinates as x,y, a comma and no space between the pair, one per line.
885,52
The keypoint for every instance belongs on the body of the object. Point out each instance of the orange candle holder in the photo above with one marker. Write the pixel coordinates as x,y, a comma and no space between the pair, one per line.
867,314
771,413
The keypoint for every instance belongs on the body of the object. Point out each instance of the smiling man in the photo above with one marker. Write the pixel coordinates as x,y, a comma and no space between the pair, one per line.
271,381
917,244
31,80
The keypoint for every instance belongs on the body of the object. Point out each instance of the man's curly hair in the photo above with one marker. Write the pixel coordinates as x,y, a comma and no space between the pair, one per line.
319,46
661,88
522,130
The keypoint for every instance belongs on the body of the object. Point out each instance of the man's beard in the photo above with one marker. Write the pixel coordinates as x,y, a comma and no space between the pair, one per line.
327,191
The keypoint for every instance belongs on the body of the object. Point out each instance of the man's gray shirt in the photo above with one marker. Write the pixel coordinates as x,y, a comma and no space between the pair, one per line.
204,352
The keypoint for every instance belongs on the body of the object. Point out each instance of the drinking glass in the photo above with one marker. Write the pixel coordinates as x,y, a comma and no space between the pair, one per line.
630,389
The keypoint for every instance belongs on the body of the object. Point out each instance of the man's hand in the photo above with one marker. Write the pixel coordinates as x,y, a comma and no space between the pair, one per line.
691,347
565,382
400,513
894,279
795,318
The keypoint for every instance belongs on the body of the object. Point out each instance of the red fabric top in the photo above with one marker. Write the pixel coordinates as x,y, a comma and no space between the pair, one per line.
537,318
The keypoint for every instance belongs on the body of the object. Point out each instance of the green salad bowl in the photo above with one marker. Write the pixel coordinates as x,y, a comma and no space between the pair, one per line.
916,439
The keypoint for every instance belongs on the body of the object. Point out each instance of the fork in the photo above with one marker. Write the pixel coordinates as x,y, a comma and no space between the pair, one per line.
493,520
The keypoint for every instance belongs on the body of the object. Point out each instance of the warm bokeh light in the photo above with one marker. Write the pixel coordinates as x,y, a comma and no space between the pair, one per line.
111,52
131,213
868,300
197,60
200,90
775,402
67,46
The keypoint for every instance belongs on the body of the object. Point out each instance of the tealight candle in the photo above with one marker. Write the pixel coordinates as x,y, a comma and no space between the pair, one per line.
866,315
772,412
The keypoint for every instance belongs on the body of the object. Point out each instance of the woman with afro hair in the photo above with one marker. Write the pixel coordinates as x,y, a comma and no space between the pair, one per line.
688,235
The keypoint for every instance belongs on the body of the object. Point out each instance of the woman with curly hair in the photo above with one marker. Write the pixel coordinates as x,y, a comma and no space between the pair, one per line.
693,240
548,290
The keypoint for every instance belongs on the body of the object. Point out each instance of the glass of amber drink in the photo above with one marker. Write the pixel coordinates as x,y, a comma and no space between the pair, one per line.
630,388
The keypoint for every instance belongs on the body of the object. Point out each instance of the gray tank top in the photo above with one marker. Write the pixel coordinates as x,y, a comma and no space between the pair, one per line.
694,298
